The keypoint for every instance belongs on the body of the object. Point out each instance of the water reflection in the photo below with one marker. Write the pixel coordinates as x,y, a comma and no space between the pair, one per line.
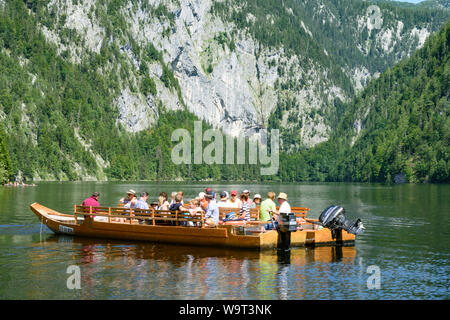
148,270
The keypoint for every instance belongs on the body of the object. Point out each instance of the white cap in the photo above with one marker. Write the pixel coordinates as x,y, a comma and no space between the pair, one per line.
257,196
245,191
201,195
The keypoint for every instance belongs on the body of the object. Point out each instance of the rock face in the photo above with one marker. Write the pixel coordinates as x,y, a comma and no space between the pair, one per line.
225,76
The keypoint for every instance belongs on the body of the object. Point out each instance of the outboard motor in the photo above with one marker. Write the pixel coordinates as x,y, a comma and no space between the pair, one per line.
287,223
334,219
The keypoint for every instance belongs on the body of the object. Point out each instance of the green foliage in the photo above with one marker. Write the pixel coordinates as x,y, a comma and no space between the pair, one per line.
407,128
5,162
148,86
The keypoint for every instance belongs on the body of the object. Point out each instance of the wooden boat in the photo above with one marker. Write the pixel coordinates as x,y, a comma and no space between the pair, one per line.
172,227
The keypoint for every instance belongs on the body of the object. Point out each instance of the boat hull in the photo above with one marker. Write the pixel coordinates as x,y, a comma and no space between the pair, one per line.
223,236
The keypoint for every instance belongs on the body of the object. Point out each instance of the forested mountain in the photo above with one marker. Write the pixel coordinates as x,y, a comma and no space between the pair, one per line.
92,89
439,4
399,126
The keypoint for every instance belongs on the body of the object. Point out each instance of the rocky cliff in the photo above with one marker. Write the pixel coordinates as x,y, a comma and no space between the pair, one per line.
109,68
227,76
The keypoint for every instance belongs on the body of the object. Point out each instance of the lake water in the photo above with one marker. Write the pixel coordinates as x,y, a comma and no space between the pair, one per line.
406,239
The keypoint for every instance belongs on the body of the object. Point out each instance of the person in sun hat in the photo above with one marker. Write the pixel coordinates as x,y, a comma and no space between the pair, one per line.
256,201
130,200
284,205
131,196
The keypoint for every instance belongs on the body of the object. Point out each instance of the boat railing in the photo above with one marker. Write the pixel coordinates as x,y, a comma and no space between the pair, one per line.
223,211
300,212
152,215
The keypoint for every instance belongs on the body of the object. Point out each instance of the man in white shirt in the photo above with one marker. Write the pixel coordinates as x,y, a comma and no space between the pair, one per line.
284,205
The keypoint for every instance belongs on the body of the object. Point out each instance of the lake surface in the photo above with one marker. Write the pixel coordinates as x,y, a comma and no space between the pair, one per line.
407,240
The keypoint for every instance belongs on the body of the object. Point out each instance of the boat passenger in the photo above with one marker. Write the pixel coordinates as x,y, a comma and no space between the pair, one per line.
234,202
164,195
284,205
223,203
131,196
284,208
203,201
256,201
208,190
265,210
182,196
142,202
248,196
163,204
194,209
177,205
92,201
244,212
212,211
172,196
155,205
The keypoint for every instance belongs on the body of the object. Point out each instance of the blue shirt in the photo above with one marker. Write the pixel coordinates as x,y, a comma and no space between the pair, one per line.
212,211
141,204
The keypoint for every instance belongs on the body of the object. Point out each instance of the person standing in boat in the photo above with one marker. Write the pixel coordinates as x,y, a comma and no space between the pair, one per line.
212,211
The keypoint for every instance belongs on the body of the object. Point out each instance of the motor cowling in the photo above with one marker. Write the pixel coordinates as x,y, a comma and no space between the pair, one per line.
287,222
334,219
